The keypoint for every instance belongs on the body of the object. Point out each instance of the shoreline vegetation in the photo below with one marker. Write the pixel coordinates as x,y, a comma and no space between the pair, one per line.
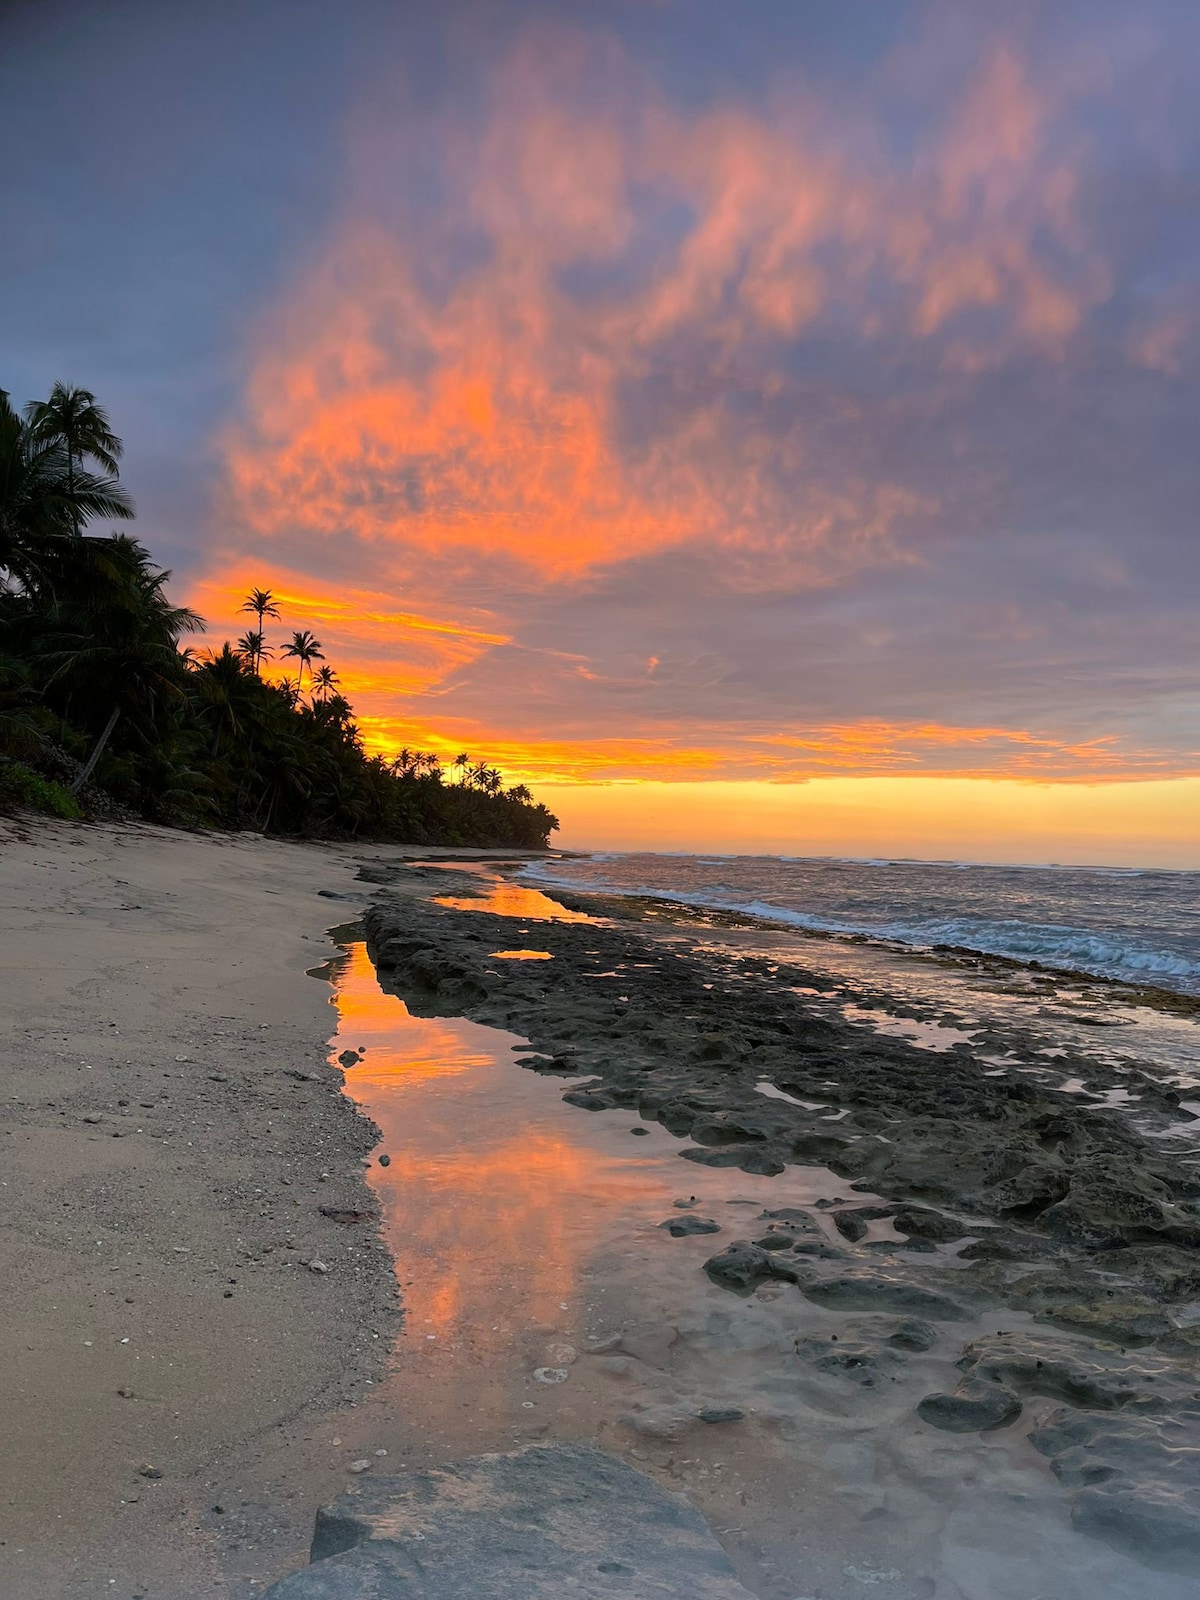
106,708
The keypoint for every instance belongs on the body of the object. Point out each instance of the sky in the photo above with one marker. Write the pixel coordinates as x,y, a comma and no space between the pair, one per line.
756,427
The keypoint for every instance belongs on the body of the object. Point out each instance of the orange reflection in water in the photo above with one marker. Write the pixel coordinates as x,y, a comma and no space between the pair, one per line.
494,1195
505,899
521,955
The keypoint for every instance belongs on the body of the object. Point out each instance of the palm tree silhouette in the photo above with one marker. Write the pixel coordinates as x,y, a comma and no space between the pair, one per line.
306,649
72,418
262,603
121,631
45,499
325,679
254,648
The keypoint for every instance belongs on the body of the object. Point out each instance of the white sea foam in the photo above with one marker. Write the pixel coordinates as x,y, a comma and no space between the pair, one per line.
1108,934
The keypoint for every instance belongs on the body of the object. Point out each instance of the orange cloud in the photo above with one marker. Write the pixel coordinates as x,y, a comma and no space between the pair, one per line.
482,410
593,351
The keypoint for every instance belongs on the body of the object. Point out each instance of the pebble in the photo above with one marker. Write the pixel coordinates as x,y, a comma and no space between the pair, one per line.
359,1466
720,1414
317,1266
551,1374
385,1160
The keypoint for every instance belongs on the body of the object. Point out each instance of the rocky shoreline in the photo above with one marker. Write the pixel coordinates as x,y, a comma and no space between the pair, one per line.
992,1187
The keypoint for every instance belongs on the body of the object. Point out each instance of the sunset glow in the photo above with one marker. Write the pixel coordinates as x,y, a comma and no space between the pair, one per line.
809,406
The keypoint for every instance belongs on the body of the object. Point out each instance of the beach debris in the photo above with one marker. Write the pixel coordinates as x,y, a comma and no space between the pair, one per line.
551,1374
147,1471
316,1266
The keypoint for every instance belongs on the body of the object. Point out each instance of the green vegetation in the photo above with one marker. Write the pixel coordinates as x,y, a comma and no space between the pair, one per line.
101,698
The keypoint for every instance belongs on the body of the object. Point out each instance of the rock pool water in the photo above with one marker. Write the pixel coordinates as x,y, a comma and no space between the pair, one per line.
529,1244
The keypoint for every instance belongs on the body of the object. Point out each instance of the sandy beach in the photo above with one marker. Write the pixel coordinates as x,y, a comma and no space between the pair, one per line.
900,1316
172,1131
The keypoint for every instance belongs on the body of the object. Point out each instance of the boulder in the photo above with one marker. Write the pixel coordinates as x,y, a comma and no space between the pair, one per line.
545,1521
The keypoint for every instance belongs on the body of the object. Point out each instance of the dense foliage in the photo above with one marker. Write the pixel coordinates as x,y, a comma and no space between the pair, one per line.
102,698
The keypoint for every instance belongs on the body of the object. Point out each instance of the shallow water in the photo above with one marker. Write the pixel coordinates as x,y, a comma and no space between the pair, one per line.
527,1243
1142,926
940,1005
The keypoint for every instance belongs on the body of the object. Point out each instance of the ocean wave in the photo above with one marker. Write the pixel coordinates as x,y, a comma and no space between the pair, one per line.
1102,953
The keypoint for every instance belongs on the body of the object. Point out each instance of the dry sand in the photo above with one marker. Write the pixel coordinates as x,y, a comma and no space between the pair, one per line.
171,1130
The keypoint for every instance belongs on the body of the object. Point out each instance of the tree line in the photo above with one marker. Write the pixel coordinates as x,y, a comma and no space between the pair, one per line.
107,701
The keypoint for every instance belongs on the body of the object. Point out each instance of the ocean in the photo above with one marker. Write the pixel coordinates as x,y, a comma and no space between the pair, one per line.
1138,926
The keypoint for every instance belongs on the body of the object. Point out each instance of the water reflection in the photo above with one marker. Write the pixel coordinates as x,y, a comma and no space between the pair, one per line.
493,1194
527,1236
506,899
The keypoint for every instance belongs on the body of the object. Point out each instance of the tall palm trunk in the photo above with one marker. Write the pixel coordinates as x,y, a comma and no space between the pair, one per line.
71,487
89,765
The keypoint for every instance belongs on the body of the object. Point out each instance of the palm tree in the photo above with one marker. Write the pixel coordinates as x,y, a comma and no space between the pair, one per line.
113,643
462,761
306,649
72,419
252,646
325,679
45,499
262,603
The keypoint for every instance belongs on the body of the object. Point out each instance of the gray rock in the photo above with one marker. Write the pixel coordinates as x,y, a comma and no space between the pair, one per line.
684,1227
744,1265
851,1225
913,1334
922,1223
1155,1523
877,1291
857,1360
546,1521
975,1407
